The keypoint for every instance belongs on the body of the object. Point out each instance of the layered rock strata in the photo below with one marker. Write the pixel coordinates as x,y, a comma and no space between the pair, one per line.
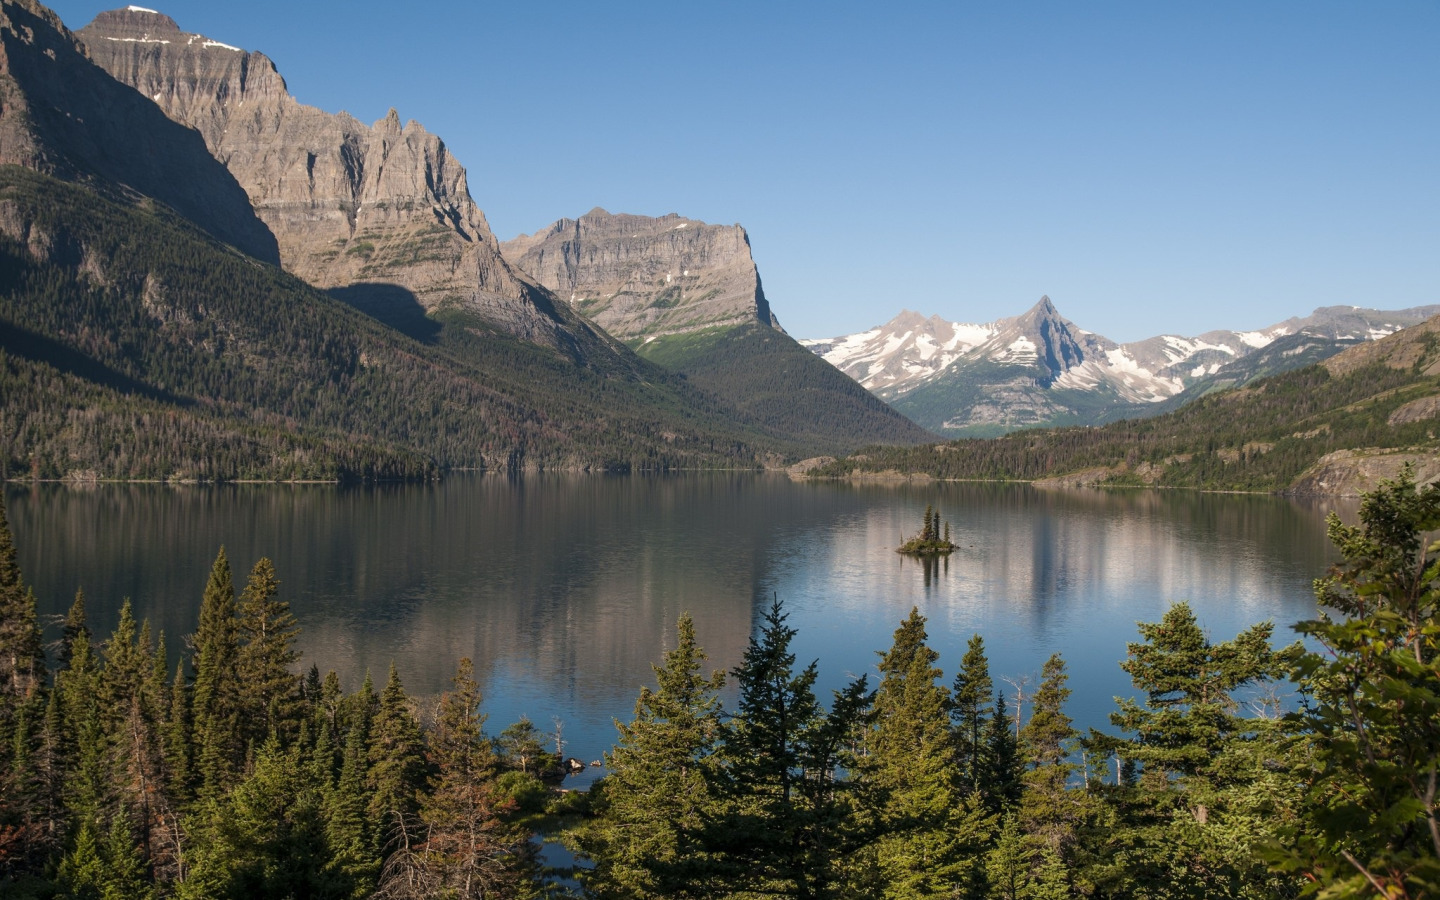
641,277
365,208
62,115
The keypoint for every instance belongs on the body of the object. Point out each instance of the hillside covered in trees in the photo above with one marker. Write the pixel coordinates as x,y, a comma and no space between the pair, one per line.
132,345
1377,397
237,777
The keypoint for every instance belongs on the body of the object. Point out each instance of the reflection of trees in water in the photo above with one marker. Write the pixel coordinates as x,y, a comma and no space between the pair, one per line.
934,567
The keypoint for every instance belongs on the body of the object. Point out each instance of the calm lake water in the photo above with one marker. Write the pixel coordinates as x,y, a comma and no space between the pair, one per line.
565,589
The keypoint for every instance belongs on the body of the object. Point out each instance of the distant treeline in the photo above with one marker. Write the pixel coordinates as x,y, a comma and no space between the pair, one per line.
1258,438
236,778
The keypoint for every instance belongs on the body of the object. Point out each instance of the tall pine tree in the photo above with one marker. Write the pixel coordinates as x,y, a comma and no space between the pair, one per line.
656,787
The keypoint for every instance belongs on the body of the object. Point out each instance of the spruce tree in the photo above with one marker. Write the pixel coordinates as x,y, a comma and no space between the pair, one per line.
471,850
349,831
1372,820
267,632
932,829
784,817
75,623
216,704
1051,815
22,652
971,714
655,787
397,766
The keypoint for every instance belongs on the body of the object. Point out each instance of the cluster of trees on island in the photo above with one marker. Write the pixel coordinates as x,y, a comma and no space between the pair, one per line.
236,778
933,539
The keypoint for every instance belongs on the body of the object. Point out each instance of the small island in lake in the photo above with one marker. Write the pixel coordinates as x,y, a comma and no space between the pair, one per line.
930,541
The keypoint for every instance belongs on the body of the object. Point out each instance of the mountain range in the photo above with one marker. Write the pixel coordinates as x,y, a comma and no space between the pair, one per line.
1040,369
1334,428
146,330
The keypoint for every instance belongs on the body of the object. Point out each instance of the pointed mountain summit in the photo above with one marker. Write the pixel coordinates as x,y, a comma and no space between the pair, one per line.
63,116
643,277
1039,368
362,209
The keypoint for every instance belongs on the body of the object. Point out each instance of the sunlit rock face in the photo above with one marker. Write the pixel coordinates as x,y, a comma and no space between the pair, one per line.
349,203
640,277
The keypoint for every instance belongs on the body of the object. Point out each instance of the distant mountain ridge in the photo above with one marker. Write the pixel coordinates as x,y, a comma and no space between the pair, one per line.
1041,369
1335,428
364,209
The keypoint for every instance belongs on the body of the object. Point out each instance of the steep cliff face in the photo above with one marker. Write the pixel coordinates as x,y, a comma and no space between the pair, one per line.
352,206
641,277
62,115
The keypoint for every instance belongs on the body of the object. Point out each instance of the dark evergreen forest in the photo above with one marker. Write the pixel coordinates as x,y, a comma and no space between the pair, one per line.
236,776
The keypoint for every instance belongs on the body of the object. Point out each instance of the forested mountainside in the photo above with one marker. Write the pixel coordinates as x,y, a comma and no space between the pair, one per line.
237,777
1328,428
782,386
137,347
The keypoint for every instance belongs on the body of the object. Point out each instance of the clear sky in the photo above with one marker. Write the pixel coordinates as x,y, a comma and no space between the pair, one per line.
1151,166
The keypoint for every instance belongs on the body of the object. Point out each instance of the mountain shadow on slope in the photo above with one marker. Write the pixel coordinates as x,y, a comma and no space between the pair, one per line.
63,115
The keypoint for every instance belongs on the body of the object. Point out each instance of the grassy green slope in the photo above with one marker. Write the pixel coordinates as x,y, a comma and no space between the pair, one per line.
782,386
1260,437
136,346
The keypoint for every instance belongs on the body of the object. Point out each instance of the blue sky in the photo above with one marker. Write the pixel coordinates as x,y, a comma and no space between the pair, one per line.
1152,167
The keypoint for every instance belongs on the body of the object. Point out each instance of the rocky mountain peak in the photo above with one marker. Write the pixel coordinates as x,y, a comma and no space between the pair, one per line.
62,115
136,23
1041,337
642,277
382,214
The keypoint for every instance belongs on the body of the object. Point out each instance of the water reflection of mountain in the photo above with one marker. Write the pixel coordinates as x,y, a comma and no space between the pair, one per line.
565,589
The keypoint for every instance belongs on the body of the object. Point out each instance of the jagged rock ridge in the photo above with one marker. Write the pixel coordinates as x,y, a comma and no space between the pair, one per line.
376,206
642,277
62,115
1039,368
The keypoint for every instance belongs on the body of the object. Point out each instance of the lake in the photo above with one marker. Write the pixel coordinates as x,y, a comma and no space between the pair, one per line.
564,589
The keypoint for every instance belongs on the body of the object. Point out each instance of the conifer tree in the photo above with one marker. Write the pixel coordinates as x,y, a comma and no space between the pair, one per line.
470,850
1372,821
216,703
177,737
521,746
397,766
267,632
932,829
1210,782
348,830
1050,815
1002,757
74,624
971,714
656,786
266,837
22,652
784,815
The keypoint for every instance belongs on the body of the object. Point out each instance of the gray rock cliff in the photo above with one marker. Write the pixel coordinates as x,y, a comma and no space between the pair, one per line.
62,115
640,277
352,206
